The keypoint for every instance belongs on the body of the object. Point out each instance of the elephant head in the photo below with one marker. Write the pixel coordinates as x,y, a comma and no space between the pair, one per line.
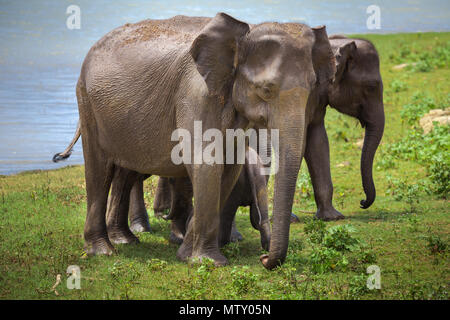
358,91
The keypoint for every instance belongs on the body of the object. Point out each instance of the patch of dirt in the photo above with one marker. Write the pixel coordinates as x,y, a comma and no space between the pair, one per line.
435,115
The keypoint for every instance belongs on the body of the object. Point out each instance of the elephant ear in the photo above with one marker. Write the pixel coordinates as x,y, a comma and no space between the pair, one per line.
323,57
215,50
343,54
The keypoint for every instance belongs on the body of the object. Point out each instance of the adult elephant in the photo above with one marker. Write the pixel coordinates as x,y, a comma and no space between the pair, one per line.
142,81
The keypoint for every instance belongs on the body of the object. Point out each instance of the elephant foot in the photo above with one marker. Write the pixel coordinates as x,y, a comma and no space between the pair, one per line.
98,247
118,236
140,226
329,214
218,258
294,218
236,236
159,214
175,239
184,251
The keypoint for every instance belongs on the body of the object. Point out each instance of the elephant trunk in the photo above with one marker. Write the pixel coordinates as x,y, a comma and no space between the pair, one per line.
291,151
372,138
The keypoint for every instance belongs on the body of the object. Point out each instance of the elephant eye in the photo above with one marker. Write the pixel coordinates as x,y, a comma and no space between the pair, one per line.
267,91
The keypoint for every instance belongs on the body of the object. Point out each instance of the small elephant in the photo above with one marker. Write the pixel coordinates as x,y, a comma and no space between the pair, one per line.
142,81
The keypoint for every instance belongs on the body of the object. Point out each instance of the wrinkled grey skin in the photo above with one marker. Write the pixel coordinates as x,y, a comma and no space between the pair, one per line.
142,81
356,91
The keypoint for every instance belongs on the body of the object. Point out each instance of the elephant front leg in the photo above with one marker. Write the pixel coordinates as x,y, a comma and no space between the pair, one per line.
118,205
137,212
317,156
212,186
201,239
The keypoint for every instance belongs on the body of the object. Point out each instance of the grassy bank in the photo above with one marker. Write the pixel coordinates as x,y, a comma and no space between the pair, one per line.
405,232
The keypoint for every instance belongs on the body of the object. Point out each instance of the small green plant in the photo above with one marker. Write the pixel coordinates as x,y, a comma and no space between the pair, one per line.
157,264
439,174
295,252
304,185
124,276
339,238
413,222
398,85
197,285
402,191
422,66
231,250
324,259
419,106
243,280
315,230
385,160
206,267
358,287
435,244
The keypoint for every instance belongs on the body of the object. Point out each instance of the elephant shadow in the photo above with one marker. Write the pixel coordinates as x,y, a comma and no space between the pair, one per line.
376,215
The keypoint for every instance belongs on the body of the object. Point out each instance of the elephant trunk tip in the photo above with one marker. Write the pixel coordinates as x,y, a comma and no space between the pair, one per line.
367,203
364,204
268,263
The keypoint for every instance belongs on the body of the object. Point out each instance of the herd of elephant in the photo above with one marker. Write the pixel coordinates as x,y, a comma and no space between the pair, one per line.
142,81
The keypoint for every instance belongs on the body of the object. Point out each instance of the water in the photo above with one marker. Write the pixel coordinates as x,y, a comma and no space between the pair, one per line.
40,58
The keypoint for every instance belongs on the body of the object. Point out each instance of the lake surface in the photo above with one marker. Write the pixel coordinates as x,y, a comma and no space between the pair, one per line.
40,58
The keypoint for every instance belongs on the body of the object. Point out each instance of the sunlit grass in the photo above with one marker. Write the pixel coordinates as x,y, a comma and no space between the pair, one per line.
43,216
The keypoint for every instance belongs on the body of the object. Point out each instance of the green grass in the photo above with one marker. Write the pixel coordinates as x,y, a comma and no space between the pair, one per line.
407,236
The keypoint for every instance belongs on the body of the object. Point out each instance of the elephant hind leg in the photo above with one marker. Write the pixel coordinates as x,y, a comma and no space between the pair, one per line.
98,174
180,209
118,204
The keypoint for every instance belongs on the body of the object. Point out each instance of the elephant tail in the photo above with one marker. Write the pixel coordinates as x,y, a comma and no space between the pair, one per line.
66,153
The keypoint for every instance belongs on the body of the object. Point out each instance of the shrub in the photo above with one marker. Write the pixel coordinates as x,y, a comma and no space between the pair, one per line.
324,259
419,106
243,280
339,238
430,150
436,244
157,264
439,174
304,185
358,286
315,229
231,250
